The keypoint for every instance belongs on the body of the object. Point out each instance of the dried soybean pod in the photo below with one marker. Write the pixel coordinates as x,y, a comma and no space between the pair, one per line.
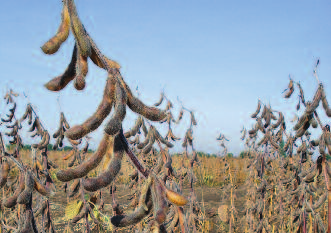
144,192
136,216
279,121
158,103
74,188
302,96
81,72
310,176
42,189
60,82
149,146
325,104
106,177
44,143
5,168
302,121
93,122
315,103
115,123
78,217
161,139
320,201
95,57
25,196
28,111
290,89
145,142
72,161
109,155
71,153
41,208
135,128
257,111
159,202
267,118
78,30
12,201
53,45
300,132
75,142
174,222
86,166
175,198
28,222
151,113
313,123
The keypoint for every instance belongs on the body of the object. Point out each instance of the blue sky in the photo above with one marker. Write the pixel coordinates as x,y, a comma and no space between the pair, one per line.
218,57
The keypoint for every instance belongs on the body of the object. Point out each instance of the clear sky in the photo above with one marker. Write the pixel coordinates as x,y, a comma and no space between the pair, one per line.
218,57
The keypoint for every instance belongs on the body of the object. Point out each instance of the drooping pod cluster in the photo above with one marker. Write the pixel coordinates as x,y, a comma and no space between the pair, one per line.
291,187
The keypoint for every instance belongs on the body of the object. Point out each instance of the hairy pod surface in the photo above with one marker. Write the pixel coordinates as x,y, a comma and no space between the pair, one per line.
53,45
151,113
106,177
5,168
160,205
81,72
78,30
115,123
136,216
12,201
86,166
25,196
60,82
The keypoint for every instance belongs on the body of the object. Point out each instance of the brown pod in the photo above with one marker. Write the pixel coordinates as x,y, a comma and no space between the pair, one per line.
72,161
160,205
325,104
158,103
78,217
5,168
60,82
302,121
78,30
93,122
135,128
315,103
175,198
28,222
12,201
257,111
290,89
74,188
95,57
81,72
25,196
70,154
161,139
75,142
86,166
44,143
53,45
41,209
115,123
151,113
133,218
279,121
106,177
300,132
42,189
